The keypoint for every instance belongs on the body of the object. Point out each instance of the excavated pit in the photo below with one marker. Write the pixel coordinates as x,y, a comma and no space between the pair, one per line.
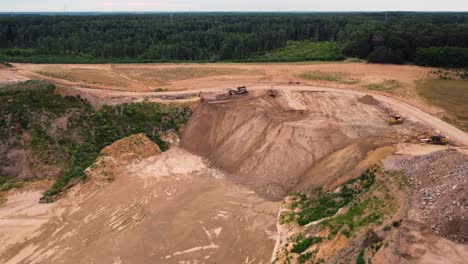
274,144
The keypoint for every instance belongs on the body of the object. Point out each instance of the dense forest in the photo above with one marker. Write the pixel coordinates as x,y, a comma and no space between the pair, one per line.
436,39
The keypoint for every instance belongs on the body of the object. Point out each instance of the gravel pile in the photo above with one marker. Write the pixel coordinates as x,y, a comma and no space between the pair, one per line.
440,184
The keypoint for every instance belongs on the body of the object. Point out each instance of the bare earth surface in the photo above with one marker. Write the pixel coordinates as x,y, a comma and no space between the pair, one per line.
169,208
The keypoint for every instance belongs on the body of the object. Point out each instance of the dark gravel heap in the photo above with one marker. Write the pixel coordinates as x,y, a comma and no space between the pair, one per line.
440,184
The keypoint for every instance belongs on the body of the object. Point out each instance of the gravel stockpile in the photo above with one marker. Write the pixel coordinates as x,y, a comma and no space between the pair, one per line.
440,184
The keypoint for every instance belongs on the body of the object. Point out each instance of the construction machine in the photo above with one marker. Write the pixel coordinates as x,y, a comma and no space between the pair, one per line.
238,91
439,139
435,138
395,120
272,93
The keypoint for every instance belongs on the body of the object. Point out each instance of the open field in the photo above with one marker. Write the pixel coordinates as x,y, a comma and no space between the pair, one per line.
451,95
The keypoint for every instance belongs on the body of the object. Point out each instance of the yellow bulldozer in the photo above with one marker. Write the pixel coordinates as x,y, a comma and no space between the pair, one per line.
395,120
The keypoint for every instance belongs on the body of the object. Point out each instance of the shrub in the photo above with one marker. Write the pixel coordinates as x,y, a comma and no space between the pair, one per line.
303,245
360,258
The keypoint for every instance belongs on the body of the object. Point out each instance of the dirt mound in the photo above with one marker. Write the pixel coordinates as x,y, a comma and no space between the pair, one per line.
135,146
272,142
121,152
439,182
368,99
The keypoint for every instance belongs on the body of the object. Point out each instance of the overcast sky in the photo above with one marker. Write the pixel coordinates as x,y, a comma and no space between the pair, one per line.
232,5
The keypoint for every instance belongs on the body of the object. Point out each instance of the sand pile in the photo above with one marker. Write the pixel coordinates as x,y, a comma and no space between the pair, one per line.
135,146
121,152
368,99
271,143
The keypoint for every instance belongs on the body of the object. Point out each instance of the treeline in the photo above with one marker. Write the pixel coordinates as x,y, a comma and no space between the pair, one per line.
377,37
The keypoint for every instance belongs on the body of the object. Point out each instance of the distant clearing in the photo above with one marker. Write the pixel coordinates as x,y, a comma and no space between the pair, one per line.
451,95
87,76
327,76
164,76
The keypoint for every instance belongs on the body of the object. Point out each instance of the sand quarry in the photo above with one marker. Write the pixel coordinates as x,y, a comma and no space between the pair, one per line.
216,196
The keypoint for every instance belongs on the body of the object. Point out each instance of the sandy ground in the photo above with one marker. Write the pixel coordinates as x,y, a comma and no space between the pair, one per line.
146,77
169,208
21,217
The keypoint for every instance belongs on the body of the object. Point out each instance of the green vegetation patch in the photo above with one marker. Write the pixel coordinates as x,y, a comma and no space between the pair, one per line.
304,244
67,132
360,214
305,51
387,85
327,76
451,95
325,204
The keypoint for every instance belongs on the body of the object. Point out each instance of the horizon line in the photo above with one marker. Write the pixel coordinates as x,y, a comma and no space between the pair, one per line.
248,11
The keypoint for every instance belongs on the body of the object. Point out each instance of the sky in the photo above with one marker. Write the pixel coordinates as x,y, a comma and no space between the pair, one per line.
231,5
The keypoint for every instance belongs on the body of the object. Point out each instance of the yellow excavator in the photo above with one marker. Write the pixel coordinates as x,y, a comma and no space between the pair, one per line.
439,139
435,138
395,120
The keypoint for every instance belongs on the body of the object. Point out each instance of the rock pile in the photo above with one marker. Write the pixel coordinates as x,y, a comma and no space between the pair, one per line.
440,184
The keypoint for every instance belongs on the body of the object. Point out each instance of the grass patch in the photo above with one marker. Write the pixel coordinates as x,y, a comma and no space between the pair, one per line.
304,51
387,85
33,107
327,76
359,215
326,204
451,95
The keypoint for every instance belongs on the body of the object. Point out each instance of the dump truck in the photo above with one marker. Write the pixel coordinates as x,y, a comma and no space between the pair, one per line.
238,91
395,120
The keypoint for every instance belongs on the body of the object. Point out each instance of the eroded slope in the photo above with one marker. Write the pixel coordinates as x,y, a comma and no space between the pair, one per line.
272,143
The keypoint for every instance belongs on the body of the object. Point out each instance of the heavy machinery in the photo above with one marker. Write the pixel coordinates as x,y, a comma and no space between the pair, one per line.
238,91
439,139
435,138
272,93
395,120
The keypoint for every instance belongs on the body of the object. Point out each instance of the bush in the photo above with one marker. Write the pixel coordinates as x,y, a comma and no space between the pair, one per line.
360,258
305,244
